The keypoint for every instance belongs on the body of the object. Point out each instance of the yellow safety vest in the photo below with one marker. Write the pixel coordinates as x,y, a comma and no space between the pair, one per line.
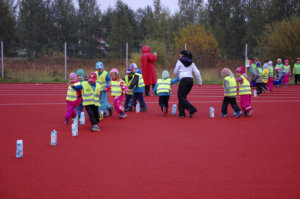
296,69
127,82
271,71
265,75
279,66
244,88
141,80
287,69
89,95
101,80
232,86
163,86
72,94
116,89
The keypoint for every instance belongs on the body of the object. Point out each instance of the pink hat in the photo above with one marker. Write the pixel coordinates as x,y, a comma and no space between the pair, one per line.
114,70
92,77
73,75
286,61
240,69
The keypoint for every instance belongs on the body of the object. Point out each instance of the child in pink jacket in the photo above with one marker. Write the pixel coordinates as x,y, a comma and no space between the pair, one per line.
244,90
117,87
73,98
287,73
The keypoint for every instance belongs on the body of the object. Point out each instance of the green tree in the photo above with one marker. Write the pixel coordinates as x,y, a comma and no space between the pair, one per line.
280,39
35,27
89,17
64,19
7,25
122,31
201,42
190,11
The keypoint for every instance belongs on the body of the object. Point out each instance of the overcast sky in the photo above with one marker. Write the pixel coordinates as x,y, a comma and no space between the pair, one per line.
136,4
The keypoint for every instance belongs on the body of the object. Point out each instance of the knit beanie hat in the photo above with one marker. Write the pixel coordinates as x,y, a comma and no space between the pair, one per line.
165,75
73,76
80,72
226,72
270,63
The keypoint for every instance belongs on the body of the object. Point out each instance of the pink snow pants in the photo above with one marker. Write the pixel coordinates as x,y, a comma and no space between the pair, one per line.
270,83
246,103
118,103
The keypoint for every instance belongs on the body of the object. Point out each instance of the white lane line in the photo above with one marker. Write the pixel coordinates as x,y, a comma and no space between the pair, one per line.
196,102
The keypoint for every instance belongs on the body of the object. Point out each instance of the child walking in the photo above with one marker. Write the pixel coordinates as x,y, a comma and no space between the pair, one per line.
80,77
163,90
90,99
296,70
271,76
73,98
265,76
128,79
138,87
230,88
287,73
117,87
257,78
244,90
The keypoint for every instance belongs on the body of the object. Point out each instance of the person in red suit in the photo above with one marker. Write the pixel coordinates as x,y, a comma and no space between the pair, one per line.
148,68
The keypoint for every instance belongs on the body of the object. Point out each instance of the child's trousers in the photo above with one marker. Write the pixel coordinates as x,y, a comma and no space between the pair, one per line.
286,80
164,102
71,112
118,103
270,83
93,114
246,103
232,102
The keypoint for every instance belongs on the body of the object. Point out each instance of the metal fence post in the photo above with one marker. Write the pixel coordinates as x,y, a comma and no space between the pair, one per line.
65,61
2,58
126,57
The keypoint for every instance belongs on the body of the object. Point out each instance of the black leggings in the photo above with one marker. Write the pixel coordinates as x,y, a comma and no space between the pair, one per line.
164,102
185,86
232,102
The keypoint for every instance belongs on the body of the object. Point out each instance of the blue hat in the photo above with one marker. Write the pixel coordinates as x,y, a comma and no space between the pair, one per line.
99,65
132,66
128,71
258,64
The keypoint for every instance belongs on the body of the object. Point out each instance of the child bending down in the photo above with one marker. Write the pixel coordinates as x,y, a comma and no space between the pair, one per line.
244,90
163,90
117,87
73,98
230,89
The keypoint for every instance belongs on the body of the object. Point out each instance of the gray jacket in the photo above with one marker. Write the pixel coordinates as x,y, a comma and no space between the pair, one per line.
256,77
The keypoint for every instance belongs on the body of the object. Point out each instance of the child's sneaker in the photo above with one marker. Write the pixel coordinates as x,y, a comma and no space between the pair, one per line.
95,128
144,109
123,115
67,121
250,112
238,114
223,115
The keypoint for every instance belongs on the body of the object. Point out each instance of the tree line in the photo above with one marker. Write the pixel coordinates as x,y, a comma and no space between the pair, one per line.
40,27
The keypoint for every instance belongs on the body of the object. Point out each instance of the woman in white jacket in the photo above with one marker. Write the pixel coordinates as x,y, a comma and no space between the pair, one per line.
184,69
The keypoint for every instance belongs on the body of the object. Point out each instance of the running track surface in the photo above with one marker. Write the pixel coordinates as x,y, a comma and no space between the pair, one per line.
148,155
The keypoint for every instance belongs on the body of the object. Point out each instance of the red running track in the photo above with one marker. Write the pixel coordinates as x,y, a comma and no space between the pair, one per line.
148,155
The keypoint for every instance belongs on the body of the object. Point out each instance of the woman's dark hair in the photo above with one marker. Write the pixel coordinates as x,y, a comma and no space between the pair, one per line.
184,52
189,55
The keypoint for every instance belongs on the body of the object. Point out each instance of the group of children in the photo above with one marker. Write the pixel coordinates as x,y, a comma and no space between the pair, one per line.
91,93
265,76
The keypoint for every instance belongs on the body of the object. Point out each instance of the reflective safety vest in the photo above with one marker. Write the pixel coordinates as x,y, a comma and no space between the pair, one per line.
116,89
163,86
101,80
265,75
232,86
279,66
72,94
244,88
296,69
287,69
271,71
259,70
141,80
89,95
253,67
127,82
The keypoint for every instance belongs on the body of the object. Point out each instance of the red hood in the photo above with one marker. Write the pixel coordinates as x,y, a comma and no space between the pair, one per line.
146,49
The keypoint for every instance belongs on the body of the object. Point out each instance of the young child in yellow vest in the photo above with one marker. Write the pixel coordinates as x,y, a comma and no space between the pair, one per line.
265,76
271,76
287,73
296,70
163,90
90,99
244,90
128,79
117,87
73,98
230,89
